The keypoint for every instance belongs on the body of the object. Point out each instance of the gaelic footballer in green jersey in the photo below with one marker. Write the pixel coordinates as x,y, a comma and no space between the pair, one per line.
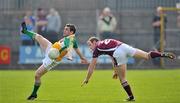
64,46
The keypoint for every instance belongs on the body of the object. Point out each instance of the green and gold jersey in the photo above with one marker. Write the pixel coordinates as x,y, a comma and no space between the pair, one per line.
69,42
65,45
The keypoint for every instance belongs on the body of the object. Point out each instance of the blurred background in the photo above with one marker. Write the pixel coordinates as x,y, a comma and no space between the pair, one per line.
130,21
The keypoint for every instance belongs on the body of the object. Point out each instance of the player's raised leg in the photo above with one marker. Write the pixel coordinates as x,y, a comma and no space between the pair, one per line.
153,54
38,74
43,42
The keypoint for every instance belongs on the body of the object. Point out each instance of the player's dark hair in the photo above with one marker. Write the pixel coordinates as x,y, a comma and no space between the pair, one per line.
92,39
72,27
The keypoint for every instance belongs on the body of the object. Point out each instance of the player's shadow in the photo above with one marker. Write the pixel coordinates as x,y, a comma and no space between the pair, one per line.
49,101
122,101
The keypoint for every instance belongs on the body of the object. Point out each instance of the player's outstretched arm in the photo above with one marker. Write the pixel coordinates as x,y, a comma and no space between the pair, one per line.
91,68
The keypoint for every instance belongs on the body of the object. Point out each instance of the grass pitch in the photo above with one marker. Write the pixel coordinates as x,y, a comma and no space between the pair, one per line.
149,86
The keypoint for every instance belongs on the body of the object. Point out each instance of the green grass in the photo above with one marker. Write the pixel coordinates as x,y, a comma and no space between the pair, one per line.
149,86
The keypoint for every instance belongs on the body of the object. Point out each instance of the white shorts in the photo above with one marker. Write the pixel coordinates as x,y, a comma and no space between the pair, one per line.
122,53
47,62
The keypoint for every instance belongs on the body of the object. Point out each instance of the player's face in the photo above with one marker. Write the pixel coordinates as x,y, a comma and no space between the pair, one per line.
66,31
91,45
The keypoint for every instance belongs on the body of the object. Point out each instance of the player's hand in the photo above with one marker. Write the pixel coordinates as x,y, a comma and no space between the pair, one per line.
115,73
70,59
84,82
84,61
115,76
23,25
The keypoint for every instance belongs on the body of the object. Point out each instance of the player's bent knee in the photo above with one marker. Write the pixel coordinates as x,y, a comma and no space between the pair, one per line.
37,76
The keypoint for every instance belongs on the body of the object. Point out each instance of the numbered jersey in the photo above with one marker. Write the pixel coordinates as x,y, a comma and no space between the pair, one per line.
106,47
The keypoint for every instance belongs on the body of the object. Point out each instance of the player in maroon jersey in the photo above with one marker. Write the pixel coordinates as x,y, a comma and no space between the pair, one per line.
119,52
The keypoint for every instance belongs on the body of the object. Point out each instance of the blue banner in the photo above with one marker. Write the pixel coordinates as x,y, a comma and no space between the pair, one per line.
34,55
30,55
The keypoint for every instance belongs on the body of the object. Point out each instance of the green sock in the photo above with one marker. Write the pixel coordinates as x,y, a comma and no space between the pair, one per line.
29,33
36,87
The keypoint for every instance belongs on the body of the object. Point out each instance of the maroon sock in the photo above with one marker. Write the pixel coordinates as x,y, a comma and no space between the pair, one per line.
154,54
127,88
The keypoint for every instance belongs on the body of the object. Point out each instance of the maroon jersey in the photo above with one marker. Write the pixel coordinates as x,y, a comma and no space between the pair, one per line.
106,47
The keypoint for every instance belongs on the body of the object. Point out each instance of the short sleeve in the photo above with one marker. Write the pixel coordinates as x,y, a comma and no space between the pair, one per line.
95,53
